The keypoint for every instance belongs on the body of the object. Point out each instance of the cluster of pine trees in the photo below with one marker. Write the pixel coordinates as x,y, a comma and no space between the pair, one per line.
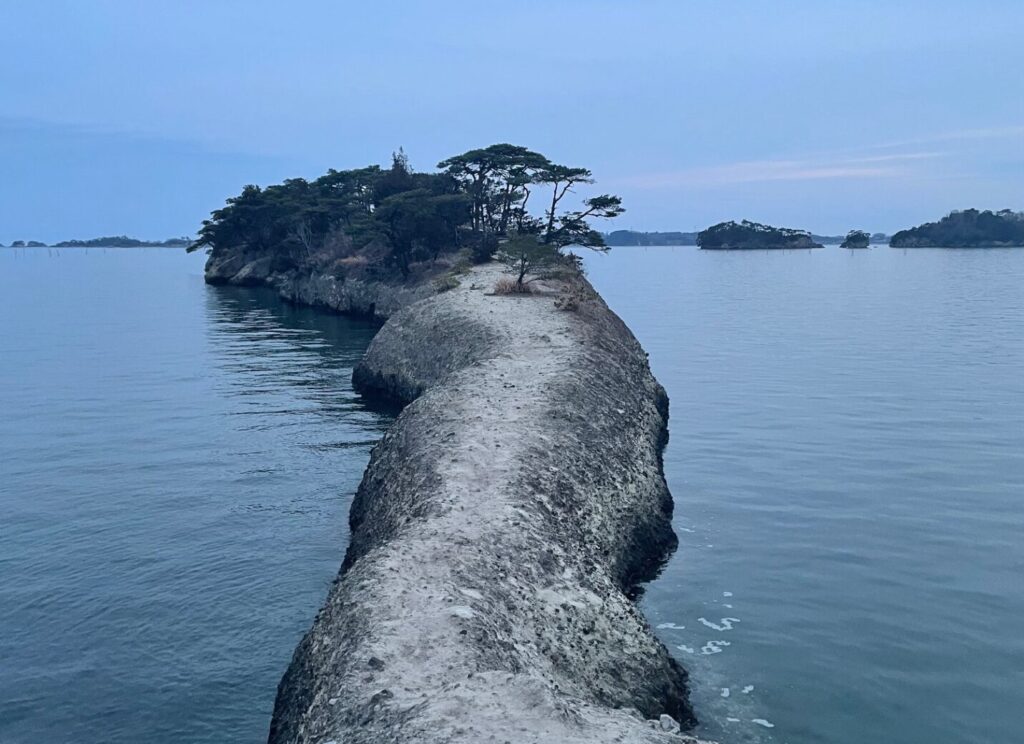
394,216
968,228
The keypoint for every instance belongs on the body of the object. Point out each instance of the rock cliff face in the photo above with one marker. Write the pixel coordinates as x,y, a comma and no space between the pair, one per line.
499,530
351,296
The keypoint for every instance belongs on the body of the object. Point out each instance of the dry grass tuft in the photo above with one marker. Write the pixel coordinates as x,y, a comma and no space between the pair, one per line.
577,293
506,285
354,262
445,283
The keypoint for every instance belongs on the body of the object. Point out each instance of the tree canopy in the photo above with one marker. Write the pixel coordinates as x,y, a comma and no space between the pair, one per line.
856,239
969,228
753,235
397,216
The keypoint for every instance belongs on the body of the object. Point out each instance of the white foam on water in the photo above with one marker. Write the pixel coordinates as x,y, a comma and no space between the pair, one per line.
721,626
762,722
685,529
748,689
733,720
726,594
670,626
687,649
725,692
727,606
713,647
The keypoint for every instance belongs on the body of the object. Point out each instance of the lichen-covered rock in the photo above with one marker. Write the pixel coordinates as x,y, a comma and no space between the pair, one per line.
497,534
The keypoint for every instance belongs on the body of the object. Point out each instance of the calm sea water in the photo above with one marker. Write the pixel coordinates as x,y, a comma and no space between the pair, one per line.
847,459
176,464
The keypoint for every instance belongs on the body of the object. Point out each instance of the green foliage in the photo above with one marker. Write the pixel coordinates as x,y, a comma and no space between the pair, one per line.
573,228
288,220
856,239
499,179
969,228
632,237
400,217
419,224
525,254
753,235
446,283
123,241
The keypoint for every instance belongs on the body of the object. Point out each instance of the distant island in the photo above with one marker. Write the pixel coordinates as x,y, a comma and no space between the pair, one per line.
856,239
969,228
638,238
123,241
748,235
116,241
632,237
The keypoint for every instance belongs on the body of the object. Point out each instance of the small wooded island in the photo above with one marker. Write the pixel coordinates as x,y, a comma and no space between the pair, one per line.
635,238
123,241
116,241
969,228
746,235
856,239
398,226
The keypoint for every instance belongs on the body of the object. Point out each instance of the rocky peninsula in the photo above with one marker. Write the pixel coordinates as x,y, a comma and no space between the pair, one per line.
507,517
498,536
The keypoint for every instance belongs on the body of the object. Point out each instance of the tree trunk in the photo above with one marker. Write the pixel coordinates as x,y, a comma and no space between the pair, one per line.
551,214
522,213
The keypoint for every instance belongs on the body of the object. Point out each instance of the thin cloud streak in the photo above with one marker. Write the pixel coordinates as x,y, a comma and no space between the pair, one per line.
986,133
757,171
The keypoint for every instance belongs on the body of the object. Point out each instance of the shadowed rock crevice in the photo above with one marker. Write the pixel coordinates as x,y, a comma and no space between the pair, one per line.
500,527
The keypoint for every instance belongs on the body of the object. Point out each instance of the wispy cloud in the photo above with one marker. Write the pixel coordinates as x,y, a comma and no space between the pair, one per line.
755,171
867,162
961,135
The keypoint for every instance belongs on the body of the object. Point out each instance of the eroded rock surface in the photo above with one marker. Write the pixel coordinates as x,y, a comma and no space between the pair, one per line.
352,296
499,527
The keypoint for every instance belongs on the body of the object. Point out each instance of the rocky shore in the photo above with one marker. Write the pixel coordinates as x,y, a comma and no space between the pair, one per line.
352,296
498,534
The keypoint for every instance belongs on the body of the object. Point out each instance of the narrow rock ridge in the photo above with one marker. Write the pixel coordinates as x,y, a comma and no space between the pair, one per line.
499,530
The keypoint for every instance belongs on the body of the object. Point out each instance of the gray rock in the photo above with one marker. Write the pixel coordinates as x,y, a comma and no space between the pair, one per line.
498,532
351,296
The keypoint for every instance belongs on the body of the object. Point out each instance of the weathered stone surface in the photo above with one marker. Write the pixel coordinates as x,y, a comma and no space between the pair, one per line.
498,530
351,296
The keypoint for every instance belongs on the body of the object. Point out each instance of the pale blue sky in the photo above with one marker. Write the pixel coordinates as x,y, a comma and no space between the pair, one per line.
141,117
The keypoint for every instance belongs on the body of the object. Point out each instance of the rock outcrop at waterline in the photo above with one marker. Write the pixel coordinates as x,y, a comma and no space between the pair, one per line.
500,527
350,295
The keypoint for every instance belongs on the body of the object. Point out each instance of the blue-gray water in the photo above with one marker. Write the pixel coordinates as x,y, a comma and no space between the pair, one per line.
847,457
177,463
847,460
